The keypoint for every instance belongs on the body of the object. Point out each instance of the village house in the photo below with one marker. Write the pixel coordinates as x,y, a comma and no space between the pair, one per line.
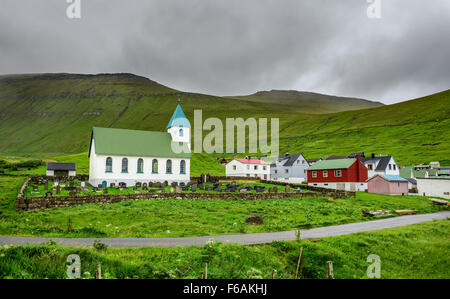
131,156
434,186
348,174
387,184
381,165
248,167
61,169
289,168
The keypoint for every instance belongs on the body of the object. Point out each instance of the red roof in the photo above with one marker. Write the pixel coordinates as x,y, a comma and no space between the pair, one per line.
251,161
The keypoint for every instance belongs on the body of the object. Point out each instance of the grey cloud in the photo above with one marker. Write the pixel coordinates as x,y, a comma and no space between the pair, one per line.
228,47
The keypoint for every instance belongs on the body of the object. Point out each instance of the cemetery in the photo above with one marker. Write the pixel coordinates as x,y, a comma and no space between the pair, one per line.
41,187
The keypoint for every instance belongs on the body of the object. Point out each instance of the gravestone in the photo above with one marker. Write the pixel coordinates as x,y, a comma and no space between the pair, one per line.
83,184
105,191
144,186
244,190
173,184
48,194
194,188
58,189
100,186
72,193
171,189
177,189
138,185
112,185
287,189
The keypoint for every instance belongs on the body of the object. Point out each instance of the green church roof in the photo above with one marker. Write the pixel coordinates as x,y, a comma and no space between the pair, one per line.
332,164
109,141
179,119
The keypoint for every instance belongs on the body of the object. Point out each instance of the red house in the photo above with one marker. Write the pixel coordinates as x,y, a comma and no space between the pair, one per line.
342,174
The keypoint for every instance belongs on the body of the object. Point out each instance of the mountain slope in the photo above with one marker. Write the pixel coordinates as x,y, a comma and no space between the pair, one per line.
308,102
54,114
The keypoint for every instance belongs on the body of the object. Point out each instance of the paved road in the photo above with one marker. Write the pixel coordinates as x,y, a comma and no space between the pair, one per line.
244,239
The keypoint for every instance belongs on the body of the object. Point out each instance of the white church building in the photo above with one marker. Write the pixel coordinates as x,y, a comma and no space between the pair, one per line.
131,156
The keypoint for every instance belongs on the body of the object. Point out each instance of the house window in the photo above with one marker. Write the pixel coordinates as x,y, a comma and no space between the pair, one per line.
370,167
314,174
124,165
395,166
169,166
181,132
183,167
108,164
264,167
338,173
234,167
248,167
390,166
298,161
256,167
140,166
325,174
276,171
286,170
155,166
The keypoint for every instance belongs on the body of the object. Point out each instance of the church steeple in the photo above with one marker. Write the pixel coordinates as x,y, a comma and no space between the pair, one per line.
179,119
179,127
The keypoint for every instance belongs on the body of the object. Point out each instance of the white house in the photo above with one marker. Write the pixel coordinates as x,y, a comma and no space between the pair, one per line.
434,186
61,169
289,168
248,168
131,156
381,165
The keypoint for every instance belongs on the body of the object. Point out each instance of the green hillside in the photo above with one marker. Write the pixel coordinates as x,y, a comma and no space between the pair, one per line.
50,115
308,102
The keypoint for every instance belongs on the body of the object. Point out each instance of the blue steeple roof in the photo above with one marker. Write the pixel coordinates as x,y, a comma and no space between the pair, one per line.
179,119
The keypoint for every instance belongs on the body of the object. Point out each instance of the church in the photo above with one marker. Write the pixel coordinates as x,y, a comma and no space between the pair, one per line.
131,156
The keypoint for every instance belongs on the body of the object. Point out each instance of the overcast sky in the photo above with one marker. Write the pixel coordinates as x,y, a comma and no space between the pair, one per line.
234,47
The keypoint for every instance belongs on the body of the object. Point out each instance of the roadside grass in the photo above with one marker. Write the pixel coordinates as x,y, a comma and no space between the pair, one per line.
181,217
411,252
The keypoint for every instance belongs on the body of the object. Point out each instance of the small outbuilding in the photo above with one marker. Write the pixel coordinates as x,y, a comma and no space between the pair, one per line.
387,184
61,169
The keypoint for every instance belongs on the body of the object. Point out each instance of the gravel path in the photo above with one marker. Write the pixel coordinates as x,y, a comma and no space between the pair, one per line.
244,239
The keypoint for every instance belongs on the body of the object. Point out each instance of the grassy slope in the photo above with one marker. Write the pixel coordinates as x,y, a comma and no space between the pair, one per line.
308,102
175,218
45,116
417,251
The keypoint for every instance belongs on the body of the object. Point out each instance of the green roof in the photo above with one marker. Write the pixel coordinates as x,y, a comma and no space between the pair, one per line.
332,164
109,141
178,119
405,172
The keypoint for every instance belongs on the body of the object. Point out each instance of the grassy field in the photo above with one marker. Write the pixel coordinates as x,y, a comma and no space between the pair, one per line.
414,252
180,217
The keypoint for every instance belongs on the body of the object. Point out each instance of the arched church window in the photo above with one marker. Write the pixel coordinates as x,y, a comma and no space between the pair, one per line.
183,167
140,165
124,165
155,166
169,166
108,164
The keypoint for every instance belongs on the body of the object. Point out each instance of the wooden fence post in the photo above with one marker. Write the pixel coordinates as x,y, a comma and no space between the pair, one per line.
298,262
98,273
330,274
206,270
